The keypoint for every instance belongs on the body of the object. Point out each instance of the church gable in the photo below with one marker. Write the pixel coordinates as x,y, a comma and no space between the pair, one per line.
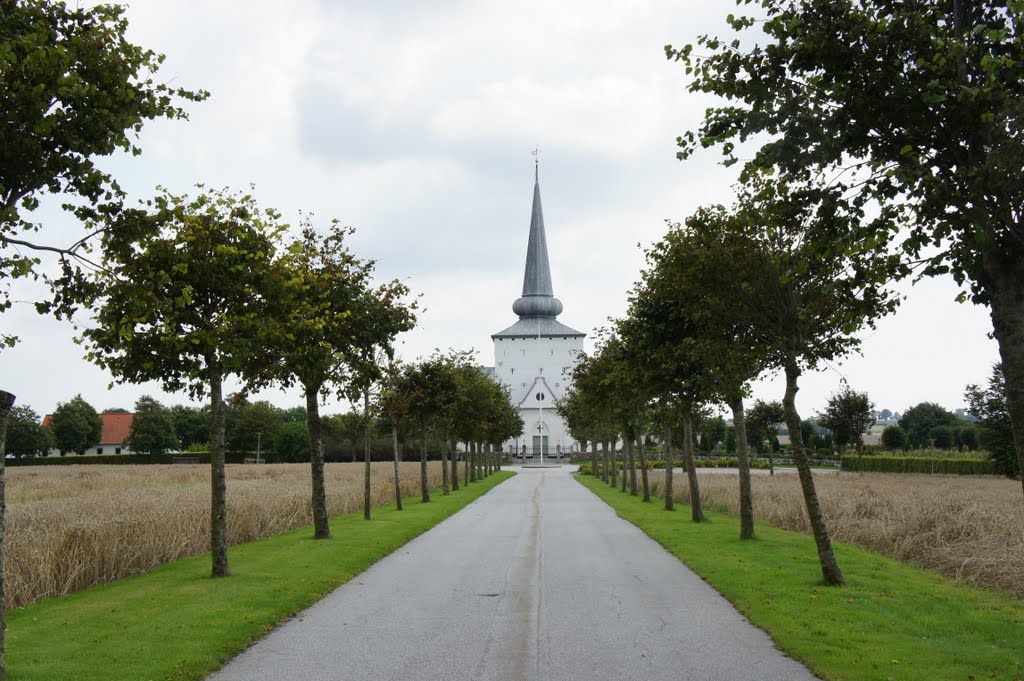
539,396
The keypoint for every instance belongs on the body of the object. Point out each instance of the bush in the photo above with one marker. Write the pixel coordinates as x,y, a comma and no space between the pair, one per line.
920,464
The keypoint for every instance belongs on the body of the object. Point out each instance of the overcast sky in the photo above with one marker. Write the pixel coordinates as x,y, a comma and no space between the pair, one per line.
413,122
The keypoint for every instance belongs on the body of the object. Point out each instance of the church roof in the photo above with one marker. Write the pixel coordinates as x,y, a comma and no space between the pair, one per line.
545,327
537,307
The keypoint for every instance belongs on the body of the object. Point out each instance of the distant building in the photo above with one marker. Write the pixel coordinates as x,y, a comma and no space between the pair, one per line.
115,431
534,357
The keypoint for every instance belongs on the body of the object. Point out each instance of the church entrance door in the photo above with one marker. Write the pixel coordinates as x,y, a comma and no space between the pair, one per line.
540,444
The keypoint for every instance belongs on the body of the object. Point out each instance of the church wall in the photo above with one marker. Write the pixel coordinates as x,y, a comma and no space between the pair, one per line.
519,363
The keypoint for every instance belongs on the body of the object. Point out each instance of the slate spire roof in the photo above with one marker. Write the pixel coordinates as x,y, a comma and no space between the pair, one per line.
537,307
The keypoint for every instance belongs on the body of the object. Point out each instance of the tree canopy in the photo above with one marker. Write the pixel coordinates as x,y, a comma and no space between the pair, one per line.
76,426
73,89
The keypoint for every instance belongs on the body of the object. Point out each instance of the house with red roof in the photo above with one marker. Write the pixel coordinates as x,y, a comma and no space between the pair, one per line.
115,431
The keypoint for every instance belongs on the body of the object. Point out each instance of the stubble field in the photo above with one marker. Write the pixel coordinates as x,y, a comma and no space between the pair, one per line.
967,528
72,527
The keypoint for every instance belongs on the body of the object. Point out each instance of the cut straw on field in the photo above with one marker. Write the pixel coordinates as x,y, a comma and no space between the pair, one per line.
968,528
72,527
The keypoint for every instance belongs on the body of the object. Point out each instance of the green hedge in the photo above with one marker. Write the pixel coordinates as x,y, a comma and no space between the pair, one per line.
718,462
921,464
118,459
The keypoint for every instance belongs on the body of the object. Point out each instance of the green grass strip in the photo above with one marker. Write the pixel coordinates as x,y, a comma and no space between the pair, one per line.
891,620
177,623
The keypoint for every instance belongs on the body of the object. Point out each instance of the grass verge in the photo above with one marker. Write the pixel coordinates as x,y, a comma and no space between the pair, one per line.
177,623
891,620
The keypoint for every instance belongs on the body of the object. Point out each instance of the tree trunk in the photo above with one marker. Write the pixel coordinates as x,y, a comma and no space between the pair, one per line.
424,489
1006,304
453,454
631,455
218,480
398,461
625,461
604,462
612,463
670,502
366,455
643,468
321,527
739,422
6,404
444,472
594,470
696,511
465,463
829,566
472,461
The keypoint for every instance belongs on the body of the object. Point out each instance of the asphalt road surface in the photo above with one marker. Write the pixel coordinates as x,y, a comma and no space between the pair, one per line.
536,580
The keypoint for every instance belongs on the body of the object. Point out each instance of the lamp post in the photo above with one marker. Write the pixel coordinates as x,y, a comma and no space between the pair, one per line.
259,441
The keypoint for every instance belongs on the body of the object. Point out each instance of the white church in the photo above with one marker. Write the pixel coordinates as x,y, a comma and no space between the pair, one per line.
534,357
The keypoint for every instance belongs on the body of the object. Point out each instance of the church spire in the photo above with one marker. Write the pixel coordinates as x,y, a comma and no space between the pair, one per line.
538,299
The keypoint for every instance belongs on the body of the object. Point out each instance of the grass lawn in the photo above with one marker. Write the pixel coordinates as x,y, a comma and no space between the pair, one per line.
891,620
176,622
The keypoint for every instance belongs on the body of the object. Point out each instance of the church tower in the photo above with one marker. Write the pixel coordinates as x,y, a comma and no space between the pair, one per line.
534,357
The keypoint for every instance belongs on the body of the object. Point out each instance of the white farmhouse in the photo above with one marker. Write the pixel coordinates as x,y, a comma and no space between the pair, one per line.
534,356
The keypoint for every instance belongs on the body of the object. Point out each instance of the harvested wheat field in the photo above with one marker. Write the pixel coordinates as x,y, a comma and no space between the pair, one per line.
967,528
72,527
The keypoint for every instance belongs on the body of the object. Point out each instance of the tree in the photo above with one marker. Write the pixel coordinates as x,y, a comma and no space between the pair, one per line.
25,436
432,391
920,420
393,404
942,437
250,425
317,323
894,437
848,414
916,105
988,403
379,315
884,415
191,425
763,426
75,426
806,308
74,89
290,444
183,298
152,430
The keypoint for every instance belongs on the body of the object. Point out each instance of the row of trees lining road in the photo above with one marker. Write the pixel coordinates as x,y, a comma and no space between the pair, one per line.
736,292
911,110
446,398
195,289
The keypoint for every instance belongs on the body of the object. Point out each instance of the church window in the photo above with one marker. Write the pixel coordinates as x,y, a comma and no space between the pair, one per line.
523,384
511,370
540,397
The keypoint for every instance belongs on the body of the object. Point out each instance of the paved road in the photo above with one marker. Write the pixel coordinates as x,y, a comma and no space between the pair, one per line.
537,580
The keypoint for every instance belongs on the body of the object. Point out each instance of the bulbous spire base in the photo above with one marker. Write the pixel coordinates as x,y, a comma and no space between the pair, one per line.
537,306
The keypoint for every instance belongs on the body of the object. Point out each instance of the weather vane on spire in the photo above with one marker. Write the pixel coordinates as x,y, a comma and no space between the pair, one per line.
536,161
